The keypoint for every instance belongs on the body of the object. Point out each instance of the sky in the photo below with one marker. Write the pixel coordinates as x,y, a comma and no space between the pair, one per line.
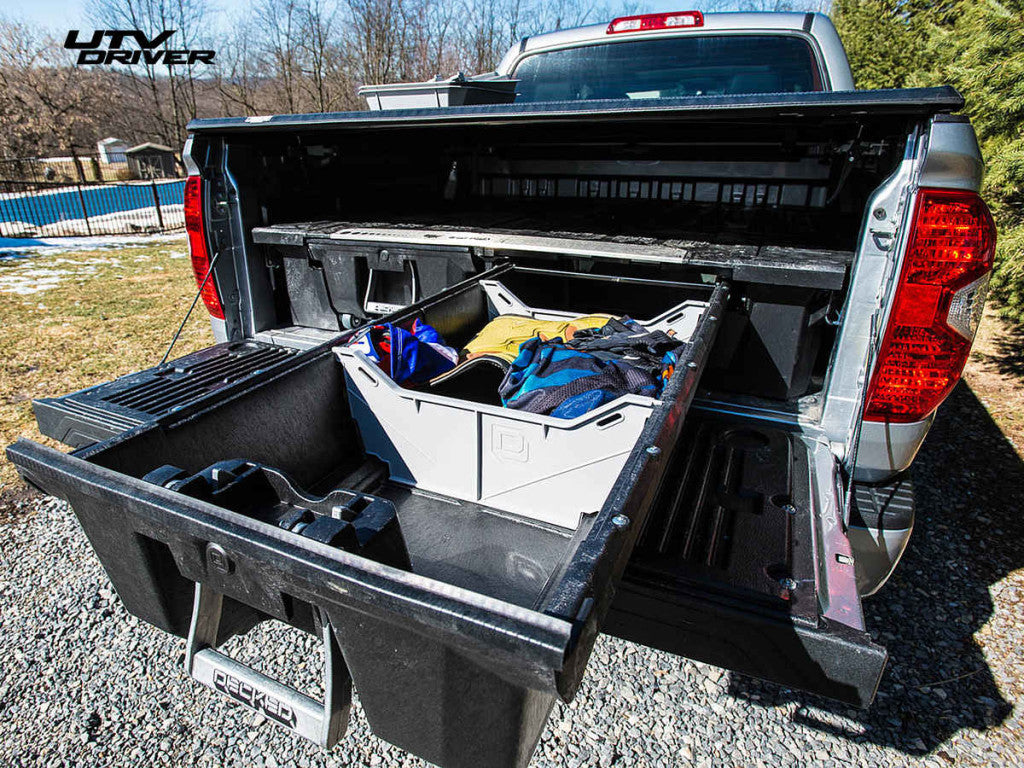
62,15
59,14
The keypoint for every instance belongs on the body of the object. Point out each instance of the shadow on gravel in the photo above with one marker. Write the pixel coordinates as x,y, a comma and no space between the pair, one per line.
14,500
1009,351
969,533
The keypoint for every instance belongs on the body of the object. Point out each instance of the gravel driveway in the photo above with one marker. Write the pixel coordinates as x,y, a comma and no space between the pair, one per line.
84,683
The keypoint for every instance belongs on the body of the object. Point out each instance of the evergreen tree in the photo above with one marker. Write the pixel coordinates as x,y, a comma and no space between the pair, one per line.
977,47
984,60
880,41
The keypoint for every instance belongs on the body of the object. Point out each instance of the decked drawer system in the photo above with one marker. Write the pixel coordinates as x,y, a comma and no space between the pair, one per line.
459,651
457,440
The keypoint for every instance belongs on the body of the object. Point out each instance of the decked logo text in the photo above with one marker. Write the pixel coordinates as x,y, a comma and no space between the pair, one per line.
254,698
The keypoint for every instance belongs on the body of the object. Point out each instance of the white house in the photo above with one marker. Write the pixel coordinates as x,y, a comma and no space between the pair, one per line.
112,150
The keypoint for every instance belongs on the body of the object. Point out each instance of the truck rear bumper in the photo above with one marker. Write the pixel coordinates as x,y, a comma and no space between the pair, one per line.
888,449
881,521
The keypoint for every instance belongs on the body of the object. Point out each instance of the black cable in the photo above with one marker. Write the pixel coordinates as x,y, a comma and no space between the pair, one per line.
844,172
188,314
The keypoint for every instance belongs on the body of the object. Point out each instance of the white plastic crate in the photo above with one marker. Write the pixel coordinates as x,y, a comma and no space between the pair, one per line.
680,320
540,467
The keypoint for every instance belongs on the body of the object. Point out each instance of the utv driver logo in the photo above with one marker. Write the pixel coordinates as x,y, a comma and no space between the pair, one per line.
254,698
130,46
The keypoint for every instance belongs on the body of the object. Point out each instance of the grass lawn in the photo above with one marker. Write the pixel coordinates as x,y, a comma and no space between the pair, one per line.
75,319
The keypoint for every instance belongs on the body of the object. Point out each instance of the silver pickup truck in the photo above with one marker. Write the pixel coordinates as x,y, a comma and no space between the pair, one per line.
820,253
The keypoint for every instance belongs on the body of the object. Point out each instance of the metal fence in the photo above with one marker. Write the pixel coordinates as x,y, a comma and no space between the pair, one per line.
31,209
87,169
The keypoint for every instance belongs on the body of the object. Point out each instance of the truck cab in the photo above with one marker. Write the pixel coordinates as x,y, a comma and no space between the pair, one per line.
686,53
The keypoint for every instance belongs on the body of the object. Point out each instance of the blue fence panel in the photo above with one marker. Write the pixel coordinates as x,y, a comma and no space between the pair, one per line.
31,209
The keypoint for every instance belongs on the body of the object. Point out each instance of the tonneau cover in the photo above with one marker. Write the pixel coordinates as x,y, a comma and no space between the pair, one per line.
906,101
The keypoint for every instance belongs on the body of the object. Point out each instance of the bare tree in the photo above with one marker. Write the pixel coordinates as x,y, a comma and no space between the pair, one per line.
492,26
430,46
377,38
238,75
281,25
47,100
327,81
168,90
278,56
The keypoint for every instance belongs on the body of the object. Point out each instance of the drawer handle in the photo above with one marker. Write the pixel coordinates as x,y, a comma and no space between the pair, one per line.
610,420
322,722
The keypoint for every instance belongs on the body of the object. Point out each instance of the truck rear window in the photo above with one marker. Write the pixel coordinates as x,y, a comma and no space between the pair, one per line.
704,65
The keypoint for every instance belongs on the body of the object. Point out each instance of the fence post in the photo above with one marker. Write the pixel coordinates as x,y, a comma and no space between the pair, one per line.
85,214
156,203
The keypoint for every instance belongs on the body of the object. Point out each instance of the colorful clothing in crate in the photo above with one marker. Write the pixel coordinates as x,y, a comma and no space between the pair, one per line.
552,378
598,365
409,357
653,351
501,338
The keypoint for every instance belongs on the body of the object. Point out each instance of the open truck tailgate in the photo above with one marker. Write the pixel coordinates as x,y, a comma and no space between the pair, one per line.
745,564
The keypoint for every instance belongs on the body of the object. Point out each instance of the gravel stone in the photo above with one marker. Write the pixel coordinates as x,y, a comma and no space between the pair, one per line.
83,683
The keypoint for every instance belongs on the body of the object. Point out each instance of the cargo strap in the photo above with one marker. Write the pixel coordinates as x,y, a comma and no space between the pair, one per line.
322,722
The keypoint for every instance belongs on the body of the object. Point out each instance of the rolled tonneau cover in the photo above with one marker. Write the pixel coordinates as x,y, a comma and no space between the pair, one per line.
903,101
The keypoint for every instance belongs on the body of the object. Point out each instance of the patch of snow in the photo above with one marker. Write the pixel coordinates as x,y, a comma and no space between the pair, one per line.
13,248
26,284
26,277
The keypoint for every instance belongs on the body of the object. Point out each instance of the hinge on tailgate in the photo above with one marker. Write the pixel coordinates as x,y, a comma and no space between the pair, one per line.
322,722
854,442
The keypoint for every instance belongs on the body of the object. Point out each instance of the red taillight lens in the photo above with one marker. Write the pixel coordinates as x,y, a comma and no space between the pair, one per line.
197,244
652,21
937,306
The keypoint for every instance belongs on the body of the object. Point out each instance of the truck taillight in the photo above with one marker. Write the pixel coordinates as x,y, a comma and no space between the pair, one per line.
197,245
652,21
937,307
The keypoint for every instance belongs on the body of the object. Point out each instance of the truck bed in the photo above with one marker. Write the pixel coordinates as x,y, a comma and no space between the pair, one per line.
719,531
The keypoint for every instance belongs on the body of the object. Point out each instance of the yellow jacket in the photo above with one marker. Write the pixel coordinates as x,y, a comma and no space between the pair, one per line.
502,336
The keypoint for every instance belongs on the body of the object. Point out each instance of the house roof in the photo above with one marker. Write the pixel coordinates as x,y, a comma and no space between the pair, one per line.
148,147
111,140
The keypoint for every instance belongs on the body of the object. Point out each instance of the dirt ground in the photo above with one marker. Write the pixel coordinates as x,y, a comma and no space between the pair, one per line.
995,374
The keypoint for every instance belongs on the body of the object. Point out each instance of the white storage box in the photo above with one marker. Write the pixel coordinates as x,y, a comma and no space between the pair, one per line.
540,467
455,91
